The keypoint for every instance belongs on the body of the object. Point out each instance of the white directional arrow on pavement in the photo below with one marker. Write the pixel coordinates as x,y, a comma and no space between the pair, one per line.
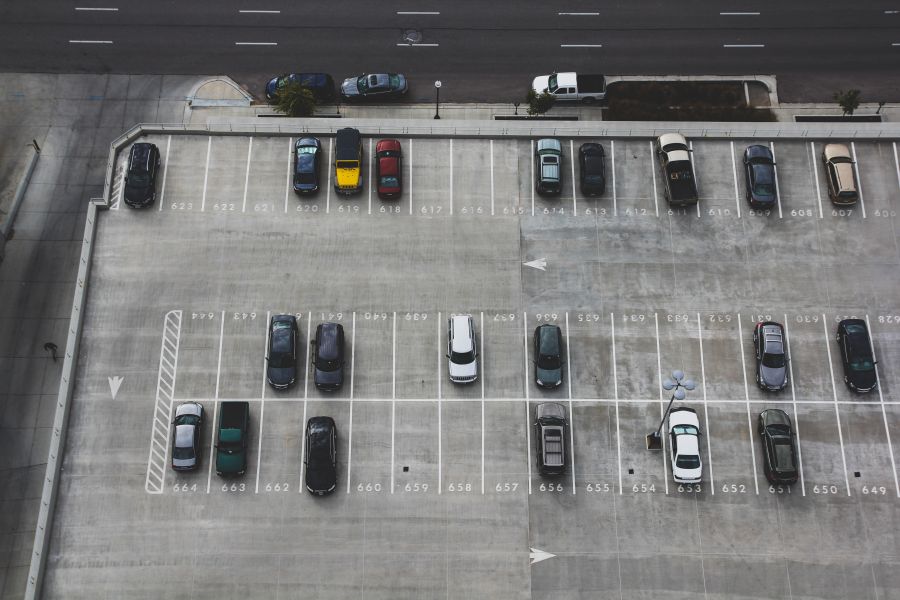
538,263
537,556
114,383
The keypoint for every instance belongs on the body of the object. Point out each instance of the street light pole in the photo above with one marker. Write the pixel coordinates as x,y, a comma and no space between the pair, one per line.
679,384
437,99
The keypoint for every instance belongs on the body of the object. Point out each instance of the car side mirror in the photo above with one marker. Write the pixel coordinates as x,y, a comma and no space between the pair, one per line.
447,355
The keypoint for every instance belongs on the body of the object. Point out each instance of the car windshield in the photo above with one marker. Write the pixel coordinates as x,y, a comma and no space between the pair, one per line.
139,178
685,429
395,82
363,84
548,361
687,461
390,181
463,358
595,179
187,420
551,83
774,361
863,364
183,453
306,150
328,365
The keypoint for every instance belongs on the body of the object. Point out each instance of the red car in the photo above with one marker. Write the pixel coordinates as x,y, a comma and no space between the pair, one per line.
389,169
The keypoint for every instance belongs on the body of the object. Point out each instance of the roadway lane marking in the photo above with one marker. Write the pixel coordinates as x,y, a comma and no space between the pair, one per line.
787,343
206,173
696,180
262,406
328,187
812,166
263,12
531,179
352,375
302,484
571,411
162,191
212,437
662,409
653,177
418,12
896,164
739,14
581,45
527,407
612,158
737,194
492,173
837,413
572,163
90,41
747,396
256,43
612,325
96,9
712,480
371,168
887,430
247,177
743,45
775,169
859,189
421,45
440,442
482,401
579,14
410,178
451,176
160,431
290,169
393,393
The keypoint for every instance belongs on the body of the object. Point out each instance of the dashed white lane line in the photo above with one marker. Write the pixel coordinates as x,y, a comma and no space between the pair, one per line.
290,173
90,41
747,396
737,194
743,45
815,175
837,413
712,479
247,177
162,191
787,343
419,45
579,14
352,377
859,189
571,412
262,405
581,45
887,429
739,14
662,400
206,173
612,325
260,12
612,158
256,43
96,9
418,12
527,404
212,440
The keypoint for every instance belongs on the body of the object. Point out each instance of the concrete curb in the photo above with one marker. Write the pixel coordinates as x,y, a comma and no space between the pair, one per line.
7,227
61,419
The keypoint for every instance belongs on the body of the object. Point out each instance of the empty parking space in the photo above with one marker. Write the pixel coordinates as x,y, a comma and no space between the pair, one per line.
590,355
632,179
432,178
636,361
823,458
186,173
227,175
503,354
869,460
462,432
506,179
370,447
375,354
416,451
596,448
268,180
507,459
472,177
643,471
417,347
716,171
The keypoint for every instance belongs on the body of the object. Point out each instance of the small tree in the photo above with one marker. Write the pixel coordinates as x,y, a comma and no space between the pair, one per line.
538,104
295,100
848,101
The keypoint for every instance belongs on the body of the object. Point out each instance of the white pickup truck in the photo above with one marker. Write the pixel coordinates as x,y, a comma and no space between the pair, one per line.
572,87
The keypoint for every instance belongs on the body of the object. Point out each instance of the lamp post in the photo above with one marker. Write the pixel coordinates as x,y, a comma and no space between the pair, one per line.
437,99
679,384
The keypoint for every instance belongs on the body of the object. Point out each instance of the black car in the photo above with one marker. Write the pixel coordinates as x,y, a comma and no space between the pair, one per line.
321,455
759,175
281,370
779,451
548,356
381,86
320,84
550,430
140,178
328,356
856,354
592,161
771,356
188,425
307,165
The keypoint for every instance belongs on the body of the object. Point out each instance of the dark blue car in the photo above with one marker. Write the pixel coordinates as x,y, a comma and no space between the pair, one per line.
320,84
759,172
307,165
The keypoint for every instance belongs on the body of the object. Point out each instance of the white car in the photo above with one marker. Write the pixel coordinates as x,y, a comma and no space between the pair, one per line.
684,435
461,349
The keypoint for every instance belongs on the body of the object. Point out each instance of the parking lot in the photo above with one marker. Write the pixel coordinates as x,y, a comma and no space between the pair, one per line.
438,494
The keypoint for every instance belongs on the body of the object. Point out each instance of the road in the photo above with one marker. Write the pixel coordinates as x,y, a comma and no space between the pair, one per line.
480,51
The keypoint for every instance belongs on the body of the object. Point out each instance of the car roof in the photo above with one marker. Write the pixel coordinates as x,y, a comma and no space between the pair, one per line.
189,408
775,416
387,145
549,144
317,424
327,336
671,138
759,151
550,410
833,151
184,436
592,149
461,342
683,415
549,338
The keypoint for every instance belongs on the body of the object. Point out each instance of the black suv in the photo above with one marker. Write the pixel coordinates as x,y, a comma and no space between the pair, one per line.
548,356
779,452
140,179
328,356
321,455
592,163
550,427
856,354
281,367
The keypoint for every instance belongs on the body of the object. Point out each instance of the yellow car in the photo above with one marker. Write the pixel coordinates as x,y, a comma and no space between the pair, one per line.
348,162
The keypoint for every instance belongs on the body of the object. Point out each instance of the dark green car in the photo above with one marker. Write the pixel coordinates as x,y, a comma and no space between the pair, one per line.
548,356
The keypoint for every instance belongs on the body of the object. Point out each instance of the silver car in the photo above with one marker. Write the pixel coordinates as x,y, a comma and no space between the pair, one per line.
186,438
462,350
771,356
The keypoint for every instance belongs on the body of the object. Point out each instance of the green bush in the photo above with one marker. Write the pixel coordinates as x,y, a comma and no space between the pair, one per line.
295,100
681,101
538,104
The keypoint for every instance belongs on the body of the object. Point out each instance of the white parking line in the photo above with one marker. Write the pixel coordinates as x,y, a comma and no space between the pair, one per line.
837,413
862,204
371,168
440,441
787,344
393,393
527,405
743,45
747,396
737,194
330,162
777,186
612,158
739,14
653,178
97,9
90,41
206,173
262,12
612,345
571,412
712,480
418,12
410,179
352,376
162,191
887,430
896,163
812,166
662,400
306,349
581,45
574,193
696,179
451,176
290,173
256,43
247,177
531,180
212,440
482,401
262,403
492,174
579,14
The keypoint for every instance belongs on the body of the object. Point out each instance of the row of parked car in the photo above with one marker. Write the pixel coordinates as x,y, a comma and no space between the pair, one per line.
327,354
370,86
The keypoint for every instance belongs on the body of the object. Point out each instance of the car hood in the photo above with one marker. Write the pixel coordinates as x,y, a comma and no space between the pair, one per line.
467,370
136,192
548,377
321,480
283,376
349,87
540,83
335,377
688,474
184,462
772,376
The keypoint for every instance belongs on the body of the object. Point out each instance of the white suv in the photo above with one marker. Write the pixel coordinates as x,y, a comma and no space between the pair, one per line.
684,434
461,349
